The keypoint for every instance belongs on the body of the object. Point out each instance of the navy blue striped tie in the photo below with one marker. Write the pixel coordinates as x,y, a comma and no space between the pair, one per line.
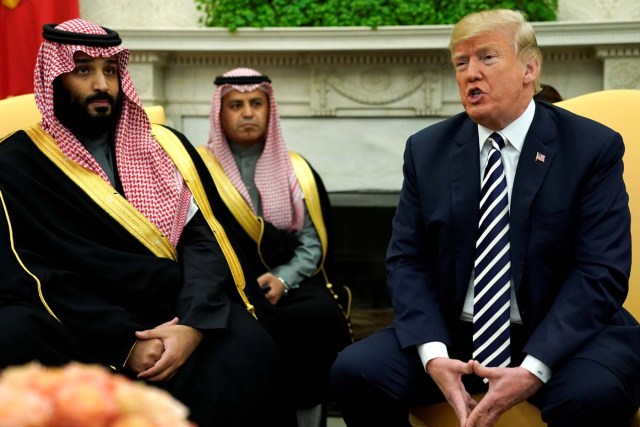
492,269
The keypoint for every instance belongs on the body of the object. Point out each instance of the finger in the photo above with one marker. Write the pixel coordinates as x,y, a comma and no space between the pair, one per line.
163,376
165,368
482,415
467,368
480,370
160,333
460,408
273,297
472,404
472,419
155,372
171,322
147,373
146,335
263,280
487,420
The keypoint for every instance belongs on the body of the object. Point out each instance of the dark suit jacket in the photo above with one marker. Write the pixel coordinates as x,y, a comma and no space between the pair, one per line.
570,236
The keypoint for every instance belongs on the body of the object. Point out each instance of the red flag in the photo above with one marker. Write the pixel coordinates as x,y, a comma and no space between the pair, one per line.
21,24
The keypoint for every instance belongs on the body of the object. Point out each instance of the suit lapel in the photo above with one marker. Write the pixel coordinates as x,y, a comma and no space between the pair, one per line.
530,173
465,193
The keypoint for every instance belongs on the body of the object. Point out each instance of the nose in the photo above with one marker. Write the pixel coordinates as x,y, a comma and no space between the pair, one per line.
100,83
247,111
473,70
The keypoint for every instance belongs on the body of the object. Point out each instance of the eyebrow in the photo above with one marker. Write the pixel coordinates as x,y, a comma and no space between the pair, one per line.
88,59
257,98
480,49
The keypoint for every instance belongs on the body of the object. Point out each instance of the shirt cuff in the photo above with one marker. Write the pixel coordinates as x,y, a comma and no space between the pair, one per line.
537,368
431,350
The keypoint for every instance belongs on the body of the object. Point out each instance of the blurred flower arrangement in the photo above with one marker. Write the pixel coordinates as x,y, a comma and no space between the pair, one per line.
78,395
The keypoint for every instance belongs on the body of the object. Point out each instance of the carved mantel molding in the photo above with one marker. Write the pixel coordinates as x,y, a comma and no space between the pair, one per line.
355,71
357,90
337,39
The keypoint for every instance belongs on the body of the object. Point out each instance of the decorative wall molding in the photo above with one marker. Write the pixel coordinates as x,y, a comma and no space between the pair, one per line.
628,51
298,59
341,39
559,55
149,57
388,90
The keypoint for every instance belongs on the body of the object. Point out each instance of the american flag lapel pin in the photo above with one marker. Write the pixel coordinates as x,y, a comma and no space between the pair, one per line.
539,157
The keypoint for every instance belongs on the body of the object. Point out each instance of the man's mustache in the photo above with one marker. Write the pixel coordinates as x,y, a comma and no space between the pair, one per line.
100,96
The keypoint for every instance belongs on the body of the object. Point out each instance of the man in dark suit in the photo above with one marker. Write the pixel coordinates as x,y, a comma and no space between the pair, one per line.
556,257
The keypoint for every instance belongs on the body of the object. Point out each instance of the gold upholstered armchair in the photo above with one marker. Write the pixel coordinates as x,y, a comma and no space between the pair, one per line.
18,112
617,109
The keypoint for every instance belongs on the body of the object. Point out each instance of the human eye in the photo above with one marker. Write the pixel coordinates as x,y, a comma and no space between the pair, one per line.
257,103
82,69
460,64
112,70
488,57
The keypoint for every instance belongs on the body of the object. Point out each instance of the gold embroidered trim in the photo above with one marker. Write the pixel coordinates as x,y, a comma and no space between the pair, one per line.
6,136
124,364
249,222
15,253
311,198
252,224
309,188
105,196
174,148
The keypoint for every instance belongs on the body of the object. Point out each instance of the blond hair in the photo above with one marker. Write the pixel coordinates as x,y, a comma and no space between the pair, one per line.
512,21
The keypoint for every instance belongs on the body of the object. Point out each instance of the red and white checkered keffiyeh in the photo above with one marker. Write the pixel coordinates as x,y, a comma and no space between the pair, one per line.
280,193
149,178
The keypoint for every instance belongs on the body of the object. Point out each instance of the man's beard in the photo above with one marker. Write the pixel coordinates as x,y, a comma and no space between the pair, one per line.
73,112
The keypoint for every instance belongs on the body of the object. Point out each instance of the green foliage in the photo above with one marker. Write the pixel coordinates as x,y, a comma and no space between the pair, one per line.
343,13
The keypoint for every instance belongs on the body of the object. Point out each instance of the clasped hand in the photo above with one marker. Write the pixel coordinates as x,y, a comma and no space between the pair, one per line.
507,387
272,287
160,351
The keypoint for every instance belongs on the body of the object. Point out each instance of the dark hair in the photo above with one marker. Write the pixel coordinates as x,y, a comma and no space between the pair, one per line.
548,94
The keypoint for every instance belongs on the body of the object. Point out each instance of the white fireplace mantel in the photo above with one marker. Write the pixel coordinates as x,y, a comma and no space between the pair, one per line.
341,39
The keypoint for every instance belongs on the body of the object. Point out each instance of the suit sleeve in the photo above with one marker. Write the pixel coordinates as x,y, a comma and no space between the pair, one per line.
594,282
417,313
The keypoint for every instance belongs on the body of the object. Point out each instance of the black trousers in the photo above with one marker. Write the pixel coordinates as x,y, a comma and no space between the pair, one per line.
376,383
309,329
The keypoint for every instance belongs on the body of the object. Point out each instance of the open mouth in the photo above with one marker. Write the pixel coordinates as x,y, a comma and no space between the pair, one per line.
474,94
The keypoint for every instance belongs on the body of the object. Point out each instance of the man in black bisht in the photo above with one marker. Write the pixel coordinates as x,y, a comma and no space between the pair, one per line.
110,252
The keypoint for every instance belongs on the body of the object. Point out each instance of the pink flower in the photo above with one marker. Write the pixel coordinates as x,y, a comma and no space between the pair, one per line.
79,395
